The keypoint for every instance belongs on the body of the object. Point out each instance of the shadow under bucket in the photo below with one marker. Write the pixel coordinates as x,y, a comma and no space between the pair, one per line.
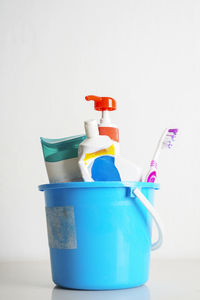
100,233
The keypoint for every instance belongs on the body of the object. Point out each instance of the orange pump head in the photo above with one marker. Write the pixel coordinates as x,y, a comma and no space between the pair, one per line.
102,103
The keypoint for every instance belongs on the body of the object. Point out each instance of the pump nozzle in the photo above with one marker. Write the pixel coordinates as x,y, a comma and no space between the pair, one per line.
102,103
105,104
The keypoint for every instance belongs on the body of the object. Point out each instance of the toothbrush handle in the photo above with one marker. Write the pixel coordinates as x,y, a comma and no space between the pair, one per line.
151,176
159,146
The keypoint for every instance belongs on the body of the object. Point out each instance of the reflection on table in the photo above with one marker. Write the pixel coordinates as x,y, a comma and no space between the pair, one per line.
140,293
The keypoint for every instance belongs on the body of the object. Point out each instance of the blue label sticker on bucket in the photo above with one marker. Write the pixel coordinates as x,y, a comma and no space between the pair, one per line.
61,227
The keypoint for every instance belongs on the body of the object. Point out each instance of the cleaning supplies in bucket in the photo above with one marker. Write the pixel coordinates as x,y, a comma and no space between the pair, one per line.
61,158
120,244
98,160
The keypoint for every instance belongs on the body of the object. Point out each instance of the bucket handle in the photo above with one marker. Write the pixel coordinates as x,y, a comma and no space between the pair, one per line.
136,192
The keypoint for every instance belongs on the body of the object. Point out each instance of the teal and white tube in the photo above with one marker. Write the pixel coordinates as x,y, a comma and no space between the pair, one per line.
61,158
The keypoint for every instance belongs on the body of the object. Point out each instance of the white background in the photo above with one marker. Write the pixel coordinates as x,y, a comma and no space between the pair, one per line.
146,55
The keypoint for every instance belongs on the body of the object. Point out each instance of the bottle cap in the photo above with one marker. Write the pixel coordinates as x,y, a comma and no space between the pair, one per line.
102,103
91,128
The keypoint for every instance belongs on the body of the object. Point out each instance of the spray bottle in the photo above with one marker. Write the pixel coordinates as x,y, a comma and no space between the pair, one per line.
103,165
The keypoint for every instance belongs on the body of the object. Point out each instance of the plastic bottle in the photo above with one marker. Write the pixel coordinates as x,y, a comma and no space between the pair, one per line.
92,149
128,171
106,127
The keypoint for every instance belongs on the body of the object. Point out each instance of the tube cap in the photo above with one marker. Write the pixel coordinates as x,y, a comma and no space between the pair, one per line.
102,103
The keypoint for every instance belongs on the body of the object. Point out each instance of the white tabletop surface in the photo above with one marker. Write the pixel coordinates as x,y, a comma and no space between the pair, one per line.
169,279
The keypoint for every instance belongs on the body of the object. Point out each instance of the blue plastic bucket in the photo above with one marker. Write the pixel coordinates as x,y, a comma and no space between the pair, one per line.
99,234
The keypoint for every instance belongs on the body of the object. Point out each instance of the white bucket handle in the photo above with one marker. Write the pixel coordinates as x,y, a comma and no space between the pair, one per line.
154,215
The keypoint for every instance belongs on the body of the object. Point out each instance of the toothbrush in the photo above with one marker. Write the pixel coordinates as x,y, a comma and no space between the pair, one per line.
166,141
